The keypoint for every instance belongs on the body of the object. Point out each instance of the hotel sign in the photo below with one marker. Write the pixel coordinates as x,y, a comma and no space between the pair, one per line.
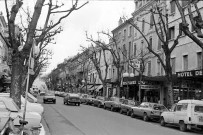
192,73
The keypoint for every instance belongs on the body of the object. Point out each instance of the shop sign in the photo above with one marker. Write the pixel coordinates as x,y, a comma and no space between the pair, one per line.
129,82
150,87
192,73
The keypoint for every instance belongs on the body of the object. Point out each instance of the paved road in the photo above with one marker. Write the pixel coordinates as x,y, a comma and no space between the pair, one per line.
88,120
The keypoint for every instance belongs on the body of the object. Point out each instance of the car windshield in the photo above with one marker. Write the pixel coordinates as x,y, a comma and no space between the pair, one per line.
159,107
199,109
130,102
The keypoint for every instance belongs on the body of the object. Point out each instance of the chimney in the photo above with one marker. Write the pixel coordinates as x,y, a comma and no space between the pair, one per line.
120,21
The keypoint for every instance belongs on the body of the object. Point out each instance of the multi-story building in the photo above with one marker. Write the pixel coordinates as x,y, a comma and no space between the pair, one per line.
187,58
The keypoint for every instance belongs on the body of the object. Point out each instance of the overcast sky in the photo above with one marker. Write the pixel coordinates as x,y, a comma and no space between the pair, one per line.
97,15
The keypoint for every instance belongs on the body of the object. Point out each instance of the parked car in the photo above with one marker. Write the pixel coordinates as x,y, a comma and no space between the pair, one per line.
33,119
71,98
186,114
31,107
126,106
89,100
49,97
99,101
83,98
113,103
148,111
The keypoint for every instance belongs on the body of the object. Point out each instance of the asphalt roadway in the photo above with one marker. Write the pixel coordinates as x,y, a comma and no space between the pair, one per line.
60,119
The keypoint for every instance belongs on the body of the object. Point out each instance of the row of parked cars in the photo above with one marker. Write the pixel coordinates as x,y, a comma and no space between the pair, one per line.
11,113
186,114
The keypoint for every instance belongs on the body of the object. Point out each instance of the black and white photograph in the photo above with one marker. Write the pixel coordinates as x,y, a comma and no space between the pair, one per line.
101,67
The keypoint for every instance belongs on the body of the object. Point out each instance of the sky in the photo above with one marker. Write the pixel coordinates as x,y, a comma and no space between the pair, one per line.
96,16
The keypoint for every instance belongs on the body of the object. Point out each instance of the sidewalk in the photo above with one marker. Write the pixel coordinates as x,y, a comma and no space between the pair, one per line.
46,128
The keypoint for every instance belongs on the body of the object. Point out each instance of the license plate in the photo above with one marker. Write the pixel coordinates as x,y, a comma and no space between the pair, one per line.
200,118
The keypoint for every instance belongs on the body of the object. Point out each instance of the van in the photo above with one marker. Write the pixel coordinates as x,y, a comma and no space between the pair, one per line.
186,114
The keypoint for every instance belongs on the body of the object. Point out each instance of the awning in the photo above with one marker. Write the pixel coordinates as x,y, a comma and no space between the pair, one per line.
99,87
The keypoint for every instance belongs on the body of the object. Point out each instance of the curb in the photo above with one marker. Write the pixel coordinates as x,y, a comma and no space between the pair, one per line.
45,125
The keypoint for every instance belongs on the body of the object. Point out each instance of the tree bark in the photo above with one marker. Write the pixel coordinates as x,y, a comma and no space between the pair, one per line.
16,81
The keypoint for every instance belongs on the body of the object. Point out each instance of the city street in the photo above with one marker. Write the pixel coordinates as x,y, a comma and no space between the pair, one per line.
88,120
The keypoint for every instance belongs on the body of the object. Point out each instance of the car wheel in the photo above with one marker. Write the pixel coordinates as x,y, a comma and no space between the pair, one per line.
145,117
112,109
121,111
104,107
162,121
132,115
182,126
128,113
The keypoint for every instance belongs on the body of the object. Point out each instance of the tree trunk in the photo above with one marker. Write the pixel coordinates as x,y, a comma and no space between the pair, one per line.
104,89
16,82
170,100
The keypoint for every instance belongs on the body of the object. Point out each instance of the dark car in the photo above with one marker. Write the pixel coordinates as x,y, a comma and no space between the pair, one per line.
49,97
99,101
127,105
113,103
71,98
90,100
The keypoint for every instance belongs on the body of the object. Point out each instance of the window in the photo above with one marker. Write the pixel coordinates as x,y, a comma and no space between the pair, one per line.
130,49
184,3
124,52
182,33
150,42
135,49
192,27
149,68
199,60
151,22
130,31
173,7
135,31
185,62
173,65
143,25
124,34
199,109
182,107
172,32
158,68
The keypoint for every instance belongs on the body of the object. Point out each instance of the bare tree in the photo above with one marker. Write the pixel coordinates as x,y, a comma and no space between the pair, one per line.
22,49
161,25
196,21
97,54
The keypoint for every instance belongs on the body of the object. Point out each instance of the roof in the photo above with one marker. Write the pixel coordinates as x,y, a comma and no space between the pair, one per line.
191,101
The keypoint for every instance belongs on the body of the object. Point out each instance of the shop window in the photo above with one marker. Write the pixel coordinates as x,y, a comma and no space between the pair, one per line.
185,62
199,60
199,108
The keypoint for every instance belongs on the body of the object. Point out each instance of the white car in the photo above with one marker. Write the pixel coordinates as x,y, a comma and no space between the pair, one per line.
31,107
33,118
186,114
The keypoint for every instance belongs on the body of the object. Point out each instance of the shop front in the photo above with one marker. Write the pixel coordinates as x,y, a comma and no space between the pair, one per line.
189,85
147,90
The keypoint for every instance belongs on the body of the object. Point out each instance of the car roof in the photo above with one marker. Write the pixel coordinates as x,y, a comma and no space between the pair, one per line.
191,101
73,94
